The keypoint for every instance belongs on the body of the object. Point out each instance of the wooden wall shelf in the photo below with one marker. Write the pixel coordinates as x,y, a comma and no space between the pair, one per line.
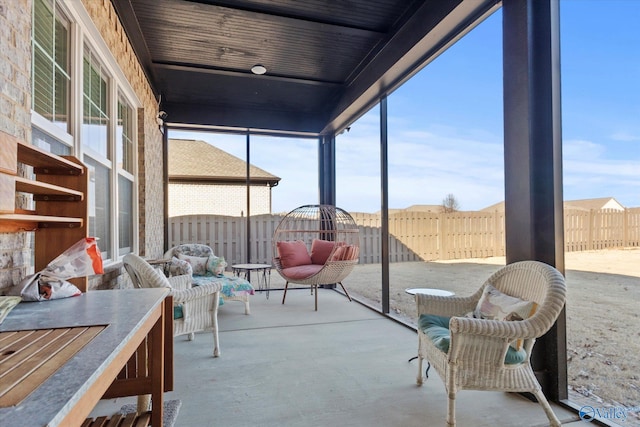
59,191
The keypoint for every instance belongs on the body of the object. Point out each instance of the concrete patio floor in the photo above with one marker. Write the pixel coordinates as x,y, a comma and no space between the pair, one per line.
344,365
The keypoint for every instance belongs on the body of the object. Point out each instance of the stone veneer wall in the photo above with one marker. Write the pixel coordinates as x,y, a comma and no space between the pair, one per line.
15,119
150,185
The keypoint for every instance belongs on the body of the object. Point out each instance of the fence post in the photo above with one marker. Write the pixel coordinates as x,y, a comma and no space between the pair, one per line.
442,236
625,227
590,232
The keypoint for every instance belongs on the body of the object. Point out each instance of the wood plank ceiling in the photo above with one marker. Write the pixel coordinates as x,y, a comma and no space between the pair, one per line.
327,61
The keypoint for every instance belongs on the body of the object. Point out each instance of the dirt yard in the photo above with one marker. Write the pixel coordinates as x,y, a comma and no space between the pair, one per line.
603,324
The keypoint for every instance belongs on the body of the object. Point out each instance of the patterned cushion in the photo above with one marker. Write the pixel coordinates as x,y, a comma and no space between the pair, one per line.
494,305
193,249
178,267
216,265
198,264
231,286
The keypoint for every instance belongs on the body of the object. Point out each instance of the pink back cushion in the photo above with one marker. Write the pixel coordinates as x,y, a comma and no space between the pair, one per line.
345,253
320,251
293,254
339,253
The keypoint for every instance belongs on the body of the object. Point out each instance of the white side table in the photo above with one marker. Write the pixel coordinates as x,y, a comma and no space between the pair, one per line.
429,291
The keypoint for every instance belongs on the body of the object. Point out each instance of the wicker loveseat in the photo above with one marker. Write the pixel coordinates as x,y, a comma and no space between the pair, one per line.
206,268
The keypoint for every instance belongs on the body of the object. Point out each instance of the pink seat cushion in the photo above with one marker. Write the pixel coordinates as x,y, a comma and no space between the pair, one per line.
320,251
293,254
302,271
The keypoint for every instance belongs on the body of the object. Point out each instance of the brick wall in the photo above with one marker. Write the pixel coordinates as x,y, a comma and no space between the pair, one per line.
213,199
150,188
15,119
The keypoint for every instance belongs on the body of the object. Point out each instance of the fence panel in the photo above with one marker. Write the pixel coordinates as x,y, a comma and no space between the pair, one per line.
471,235
632,227
414,236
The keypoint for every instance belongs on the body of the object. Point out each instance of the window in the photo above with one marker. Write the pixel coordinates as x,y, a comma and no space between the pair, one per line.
95,121
125,166
98,125
99,204
50,70
95,115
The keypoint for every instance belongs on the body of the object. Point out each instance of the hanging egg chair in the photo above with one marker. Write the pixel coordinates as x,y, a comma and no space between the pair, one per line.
316,245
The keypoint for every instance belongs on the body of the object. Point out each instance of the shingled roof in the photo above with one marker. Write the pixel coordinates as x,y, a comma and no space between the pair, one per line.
582,204
193,160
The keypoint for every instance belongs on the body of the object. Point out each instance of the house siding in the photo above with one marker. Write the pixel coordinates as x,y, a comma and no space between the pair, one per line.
15,120
217,199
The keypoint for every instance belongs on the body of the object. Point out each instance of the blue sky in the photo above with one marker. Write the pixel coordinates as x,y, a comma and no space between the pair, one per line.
445,124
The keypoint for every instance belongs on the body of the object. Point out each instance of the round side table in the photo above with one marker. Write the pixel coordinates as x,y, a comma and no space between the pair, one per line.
429,291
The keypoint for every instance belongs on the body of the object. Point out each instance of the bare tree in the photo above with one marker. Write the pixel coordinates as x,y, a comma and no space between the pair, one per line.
450,204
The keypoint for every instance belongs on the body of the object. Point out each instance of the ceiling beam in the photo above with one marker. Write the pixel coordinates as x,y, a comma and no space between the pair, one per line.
241,74
270,121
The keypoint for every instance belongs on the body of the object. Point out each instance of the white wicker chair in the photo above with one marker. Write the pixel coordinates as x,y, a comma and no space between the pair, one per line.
199,304
324,223
476,356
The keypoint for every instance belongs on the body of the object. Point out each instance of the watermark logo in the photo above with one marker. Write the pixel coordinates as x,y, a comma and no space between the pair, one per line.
614,413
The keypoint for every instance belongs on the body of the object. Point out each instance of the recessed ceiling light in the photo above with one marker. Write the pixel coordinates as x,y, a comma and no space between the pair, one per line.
258,69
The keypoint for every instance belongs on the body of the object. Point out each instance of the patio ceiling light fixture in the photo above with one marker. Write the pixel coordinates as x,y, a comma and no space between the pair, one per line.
258,69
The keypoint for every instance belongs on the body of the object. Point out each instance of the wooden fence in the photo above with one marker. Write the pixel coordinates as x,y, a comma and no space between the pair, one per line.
415,236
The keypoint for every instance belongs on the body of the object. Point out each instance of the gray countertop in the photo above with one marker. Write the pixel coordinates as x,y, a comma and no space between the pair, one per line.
122,311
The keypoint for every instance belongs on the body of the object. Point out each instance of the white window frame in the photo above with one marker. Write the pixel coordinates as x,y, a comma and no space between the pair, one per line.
83,32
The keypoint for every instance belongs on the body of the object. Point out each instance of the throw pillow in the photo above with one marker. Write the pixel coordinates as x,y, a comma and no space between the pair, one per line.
293,254
218,270
198,264
345,253
320,251
339,253
352,252
178,267
495,305
212,264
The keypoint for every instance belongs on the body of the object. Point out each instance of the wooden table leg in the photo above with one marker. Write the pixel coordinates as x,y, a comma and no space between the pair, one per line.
157,370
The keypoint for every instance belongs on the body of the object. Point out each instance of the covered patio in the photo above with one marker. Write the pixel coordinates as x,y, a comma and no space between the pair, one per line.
287,365
312,69
285,68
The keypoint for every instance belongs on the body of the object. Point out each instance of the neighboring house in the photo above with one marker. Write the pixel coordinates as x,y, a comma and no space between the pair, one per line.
594,204
582,204
417,208
204,179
